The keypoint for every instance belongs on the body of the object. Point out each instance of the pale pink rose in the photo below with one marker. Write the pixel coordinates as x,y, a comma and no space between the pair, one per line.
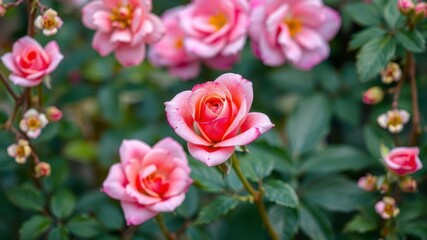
29,62
123,27
170,52
291,30
214,117
403,160
215,29
148,181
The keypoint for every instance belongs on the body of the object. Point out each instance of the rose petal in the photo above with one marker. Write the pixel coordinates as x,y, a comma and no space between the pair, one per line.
114,184
211,156
136,214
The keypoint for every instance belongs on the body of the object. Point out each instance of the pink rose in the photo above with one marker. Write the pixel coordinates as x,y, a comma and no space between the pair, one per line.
148,180
297,31
214,118
403,160
215,29
29,62
170,51
123,27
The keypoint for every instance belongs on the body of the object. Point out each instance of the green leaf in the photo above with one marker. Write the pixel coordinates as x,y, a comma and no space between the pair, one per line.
364,14
191,203
34,227
59,233
62,203
196,233
308,124
205,177
335,193
374,139
281,193
26,196
83,151
412,41
361,224
392,14
108,98
256,166
110,216
315,224
284,220
373,57
416,229
336,159
220,206
84,226
360,38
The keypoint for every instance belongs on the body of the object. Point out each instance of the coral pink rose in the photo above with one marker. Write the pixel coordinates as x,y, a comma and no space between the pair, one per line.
215,29
297,31
403,160
29,62
123,27
148,180
214,118
170,51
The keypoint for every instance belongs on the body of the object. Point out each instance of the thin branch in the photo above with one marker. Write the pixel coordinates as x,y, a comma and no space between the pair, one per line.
165,231
416,118
8,88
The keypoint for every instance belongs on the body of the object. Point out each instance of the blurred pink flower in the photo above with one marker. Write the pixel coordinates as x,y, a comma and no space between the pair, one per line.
214,117
373,95
291,30
170,52
405,6
123,27
215,30
33,122
148,180
53,114
29,62
387,208
421,9
403,160
393,120
50,22
367,183
20,151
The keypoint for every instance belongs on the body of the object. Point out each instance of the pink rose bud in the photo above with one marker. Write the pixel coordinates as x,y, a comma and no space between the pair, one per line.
367,183
20,151
33,122
373,95
50,22
123,27
292,31
392,73
214,117
42,169
393,120
408,184
405,6
387,208
53,114
421,10
403,160
170,52
148,181
3,11
215,30
30,63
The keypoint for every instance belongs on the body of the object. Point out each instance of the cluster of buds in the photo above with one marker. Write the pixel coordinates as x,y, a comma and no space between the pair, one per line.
413,11
50,22
393,120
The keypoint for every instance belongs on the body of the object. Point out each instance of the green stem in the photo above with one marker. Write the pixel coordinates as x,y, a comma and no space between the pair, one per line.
258,198
165,231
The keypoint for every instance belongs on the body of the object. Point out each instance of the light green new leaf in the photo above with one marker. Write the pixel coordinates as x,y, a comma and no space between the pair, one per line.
26,197
412,41
374,56
34,227
281,193
83,151
62,203
220,206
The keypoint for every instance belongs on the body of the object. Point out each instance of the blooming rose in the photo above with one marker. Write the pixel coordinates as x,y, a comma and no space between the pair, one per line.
297,31
214,118
215,30
123,27
148,180
170,51
403,160
29,62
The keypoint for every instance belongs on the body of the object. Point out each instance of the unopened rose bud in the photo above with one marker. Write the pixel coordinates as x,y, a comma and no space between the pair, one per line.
373,95
42,169
20,151
392,73
53,114
408,184
405,6
387,208
50,22
367,183
420,10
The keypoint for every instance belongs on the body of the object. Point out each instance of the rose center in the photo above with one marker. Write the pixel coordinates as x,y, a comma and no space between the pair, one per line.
218,20
154,183
179,43
294,25
214,105
122,17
